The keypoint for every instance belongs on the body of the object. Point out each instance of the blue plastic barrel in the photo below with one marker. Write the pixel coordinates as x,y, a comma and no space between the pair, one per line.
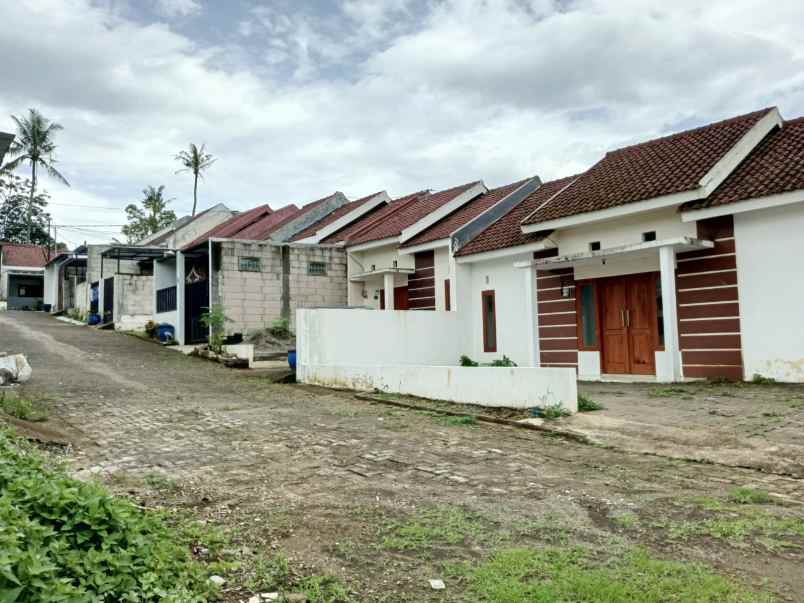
165,331
292,359
94,319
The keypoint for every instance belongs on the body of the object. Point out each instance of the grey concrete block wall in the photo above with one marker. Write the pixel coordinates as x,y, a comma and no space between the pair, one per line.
253,300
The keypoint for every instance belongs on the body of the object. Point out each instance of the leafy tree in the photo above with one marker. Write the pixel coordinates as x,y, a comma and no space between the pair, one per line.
14,212
34,145
195,160
151,218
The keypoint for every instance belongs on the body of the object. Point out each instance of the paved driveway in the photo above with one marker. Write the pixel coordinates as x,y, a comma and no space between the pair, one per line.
335,467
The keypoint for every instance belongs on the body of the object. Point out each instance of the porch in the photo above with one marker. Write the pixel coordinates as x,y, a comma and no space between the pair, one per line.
611,313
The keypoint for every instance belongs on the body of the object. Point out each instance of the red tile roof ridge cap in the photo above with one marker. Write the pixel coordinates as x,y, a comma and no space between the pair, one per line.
646,143
574,178
403,202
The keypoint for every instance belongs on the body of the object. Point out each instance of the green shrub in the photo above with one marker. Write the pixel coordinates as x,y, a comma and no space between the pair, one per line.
65,540
466,361
22,408
504,361
588,405
554,411
762,380
214,319
280,329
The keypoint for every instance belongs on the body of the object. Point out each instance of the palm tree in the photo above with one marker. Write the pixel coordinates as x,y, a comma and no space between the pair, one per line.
195,160
34,144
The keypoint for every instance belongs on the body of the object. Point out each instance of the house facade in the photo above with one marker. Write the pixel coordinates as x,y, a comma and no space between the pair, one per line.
22,268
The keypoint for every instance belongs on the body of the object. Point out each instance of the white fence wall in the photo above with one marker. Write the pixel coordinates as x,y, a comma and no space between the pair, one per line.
416,353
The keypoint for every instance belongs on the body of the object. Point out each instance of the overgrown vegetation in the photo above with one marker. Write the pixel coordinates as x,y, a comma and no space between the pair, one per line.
433,526
588,405
548,574
65,540
215,320
280,329
22,408
553,411
761,380
460,421
749,496
504,361
466,361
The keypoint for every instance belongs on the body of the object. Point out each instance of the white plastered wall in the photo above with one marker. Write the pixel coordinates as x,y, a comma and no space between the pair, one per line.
770,279
360,262
164,277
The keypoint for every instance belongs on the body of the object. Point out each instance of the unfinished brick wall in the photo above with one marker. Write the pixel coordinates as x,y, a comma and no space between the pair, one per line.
284,282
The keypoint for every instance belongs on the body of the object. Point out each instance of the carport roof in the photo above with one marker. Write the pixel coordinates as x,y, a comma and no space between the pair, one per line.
134,253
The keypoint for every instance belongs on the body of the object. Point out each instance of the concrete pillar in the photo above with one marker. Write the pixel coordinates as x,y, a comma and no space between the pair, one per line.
180,298
531,325
667,267
388,285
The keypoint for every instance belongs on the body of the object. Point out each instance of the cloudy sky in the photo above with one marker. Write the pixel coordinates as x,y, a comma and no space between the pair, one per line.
298,99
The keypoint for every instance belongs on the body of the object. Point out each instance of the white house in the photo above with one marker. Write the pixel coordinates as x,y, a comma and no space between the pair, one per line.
22,268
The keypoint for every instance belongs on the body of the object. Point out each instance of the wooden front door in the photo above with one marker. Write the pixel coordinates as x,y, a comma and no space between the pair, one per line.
400,298
630,336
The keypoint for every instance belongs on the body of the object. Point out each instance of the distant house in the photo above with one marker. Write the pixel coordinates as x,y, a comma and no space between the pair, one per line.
22,268
259,266
64,272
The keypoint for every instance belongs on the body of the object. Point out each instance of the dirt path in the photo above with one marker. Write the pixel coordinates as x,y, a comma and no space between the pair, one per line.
320,474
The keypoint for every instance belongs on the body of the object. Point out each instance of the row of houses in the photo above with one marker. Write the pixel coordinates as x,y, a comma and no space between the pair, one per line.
675,258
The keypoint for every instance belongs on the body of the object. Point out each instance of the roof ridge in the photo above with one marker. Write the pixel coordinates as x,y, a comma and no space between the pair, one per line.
403,204
575,179
666,137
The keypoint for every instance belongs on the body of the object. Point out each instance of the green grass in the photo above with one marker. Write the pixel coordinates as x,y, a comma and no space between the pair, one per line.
461,421
588,405
268,573
738,527
434,526
749,496
626,520
554,411
548,575
157,481
23,408
324,589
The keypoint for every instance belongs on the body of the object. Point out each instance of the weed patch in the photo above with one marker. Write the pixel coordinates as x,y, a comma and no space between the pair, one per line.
749,496
544,575
462,421
588,405
435,526
554,411
23,408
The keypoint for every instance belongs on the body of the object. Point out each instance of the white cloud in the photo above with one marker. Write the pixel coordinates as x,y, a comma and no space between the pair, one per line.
177,8
390,95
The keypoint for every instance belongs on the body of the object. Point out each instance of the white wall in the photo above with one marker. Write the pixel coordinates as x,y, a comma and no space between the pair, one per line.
51,294
508,284
441,272
770,273
416,353
624,231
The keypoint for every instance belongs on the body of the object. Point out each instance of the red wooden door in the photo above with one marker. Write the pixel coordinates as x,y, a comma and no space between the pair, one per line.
614,297
400,298
629,324
640,321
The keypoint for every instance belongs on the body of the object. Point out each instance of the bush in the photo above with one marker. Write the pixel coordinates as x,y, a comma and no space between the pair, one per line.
504,361
466,361
22,408
214,319
280,329
554,411
588,405
762,380
66,540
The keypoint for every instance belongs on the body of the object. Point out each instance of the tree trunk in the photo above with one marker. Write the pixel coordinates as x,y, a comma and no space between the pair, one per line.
195,191
30,202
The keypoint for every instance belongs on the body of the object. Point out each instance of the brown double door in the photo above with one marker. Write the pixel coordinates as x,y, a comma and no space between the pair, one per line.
628,305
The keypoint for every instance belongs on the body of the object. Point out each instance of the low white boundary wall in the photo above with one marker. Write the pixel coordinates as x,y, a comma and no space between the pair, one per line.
416,353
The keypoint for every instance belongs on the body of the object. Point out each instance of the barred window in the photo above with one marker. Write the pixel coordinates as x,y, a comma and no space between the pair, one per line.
317,268
247,264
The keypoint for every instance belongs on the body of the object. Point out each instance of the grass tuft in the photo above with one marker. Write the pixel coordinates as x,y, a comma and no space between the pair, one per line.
435,526
23,408
749,496
588,405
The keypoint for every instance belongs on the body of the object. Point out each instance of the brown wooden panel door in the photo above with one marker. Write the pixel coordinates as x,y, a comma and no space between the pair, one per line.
400,298
640,321
613,297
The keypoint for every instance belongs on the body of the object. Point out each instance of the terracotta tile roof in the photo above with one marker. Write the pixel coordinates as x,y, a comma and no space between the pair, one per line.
775,166
507,231
373,219
263,227
662,166
232,226
404,212
332,216
23,254
463,215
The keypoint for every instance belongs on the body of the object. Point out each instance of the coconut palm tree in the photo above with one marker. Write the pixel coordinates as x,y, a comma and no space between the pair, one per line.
35,145
195,160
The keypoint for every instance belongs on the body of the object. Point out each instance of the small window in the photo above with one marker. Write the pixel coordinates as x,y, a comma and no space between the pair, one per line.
249,264
489,321
649,236
317,268
587,312
659,312
447,300
594,246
